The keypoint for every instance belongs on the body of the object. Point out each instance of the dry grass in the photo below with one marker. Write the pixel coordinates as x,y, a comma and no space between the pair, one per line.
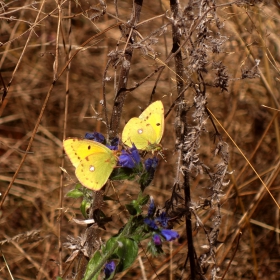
37,41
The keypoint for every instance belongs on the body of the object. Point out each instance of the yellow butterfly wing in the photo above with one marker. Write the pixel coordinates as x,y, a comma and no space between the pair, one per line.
93,161
154,115
139,133
147,130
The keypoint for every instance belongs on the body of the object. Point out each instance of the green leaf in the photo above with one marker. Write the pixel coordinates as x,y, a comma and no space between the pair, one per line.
137,206
154,250
145,179
111,276
75,193
84,206
123,174
138,229
92,266
143,200
132,209
109,245
127,253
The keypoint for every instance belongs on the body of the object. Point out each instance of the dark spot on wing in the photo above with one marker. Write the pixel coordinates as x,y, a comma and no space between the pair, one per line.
77,156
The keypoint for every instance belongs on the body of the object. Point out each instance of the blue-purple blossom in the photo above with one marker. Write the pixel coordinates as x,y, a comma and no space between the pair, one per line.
156,239
169,234
151,164
150,223
162,219
114,144
115,141
109,269
152,207
96,136
129,158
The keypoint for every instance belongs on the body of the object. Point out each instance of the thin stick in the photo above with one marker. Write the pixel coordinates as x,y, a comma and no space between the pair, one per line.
234,253
245,158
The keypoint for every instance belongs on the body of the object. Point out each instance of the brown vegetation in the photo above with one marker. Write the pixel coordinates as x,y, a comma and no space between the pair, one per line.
55,57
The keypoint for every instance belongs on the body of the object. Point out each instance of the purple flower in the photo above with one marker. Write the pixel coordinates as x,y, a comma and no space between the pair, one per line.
150,223
126,160
156,239
152,207
129,158
135,154
115,141
114,144
114,148
162,219
151,164
109,269
169,234
96,136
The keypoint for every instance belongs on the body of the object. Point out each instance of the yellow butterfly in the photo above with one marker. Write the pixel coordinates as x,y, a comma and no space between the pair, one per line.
146,131
93,161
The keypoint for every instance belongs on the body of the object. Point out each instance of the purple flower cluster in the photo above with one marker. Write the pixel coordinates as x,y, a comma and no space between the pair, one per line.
156,239
151,164
95,136
129,158
109,269
159,225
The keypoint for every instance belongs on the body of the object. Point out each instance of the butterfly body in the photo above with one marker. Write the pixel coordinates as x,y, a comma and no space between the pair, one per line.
146,131
93,161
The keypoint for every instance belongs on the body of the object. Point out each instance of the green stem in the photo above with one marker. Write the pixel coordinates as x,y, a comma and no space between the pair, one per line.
107,255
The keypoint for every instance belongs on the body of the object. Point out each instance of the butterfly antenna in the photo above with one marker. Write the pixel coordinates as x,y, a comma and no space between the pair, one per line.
97,116
143,154
162,156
